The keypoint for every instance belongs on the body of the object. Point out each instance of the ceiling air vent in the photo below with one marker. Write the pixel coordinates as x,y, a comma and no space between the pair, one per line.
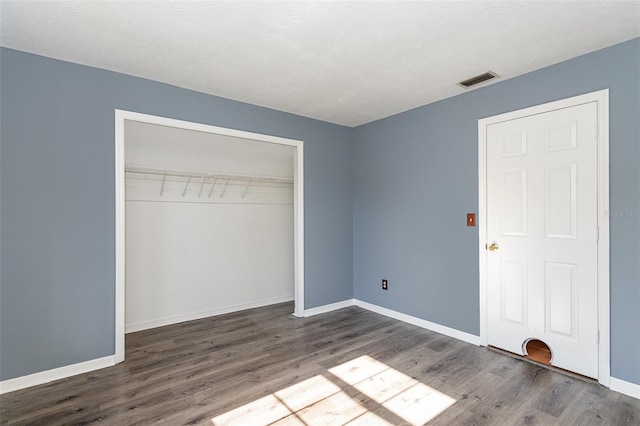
478,79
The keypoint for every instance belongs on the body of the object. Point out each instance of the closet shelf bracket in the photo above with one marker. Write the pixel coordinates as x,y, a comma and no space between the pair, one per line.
164,178
225,188
186,186
204,180
246,189
213,185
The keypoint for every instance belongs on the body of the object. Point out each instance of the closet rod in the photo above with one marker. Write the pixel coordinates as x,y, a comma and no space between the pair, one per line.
129,168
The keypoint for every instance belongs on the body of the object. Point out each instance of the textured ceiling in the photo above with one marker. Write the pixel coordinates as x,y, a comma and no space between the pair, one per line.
343,62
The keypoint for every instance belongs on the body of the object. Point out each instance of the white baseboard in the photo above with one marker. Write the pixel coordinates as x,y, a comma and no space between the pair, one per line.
174,319
328,308
627,388
447,331
451,332
55,374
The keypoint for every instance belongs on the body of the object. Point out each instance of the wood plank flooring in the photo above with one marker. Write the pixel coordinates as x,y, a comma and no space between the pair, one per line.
193,372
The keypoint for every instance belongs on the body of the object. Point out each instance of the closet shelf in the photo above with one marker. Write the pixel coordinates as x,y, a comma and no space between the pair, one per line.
220,177
208,178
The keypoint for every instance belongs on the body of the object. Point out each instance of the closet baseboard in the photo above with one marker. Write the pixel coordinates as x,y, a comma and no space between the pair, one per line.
175,319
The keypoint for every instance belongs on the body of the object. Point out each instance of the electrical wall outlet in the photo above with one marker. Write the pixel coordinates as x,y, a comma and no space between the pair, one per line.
385,285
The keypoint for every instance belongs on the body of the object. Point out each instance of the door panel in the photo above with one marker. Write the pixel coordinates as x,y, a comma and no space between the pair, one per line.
542,214
514,292
561,301
560,190
514,209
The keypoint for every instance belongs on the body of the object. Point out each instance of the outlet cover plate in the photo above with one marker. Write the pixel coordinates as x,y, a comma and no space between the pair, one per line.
471,219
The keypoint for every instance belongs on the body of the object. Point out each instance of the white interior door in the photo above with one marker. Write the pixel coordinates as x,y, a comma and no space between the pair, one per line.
542,204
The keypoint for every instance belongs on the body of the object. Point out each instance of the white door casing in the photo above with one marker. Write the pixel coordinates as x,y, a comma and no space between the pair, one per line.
543,197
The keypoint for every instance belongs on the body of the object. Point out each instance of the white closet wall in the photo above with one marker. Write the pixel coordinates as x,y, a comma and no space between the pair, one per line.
197,242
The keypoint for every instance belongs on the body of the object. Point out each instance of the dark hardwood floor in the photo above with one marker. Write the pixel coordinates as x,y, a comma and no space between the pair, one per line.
200,371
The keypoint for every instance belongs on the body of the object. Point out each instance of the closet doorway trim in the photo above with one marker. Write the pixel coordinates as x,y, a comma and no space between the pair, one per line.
298,206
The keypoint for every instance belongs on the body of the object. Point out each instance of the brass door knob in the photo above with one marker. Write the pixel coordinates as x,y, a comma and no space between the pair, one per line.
493,247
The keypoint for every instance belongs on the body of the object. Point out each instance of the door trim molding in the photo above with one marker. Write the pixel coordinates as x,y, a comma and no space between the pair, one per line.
298,206
601,98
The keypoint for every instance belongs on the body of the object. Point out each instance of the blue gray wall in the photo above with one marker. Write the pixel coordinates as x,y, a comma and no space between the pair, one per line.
384,200
415,177
57,194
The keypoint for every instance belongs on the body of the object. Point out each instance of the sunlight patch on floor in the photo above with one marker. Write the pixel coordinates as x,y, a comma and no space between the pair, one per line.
320,401
419,404
307,393
409,399
358,369
337,410
385,385
262,411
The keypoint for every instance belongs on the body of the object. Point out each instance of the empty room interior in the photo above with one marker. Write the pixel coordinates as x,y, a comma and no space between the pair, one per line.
320,213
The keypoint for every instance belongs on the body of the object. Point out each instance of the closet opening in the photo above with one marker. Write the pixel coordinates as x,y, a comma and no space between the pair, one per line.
209,220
